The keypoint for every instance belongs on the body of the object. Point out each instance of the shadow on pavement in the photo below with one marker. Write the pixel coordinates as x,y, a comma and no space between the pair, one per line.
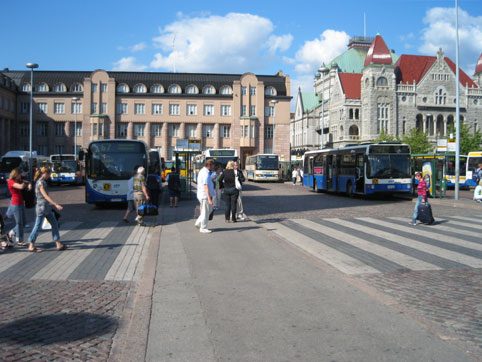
55,328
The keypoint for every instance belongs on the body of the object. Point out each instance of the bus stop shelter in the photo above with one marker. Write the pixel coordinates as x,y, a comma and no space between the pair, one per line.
185,167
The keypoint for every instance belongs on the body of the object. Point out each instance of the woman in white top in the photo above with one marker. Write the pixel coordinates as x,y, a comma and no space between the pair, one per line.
478,192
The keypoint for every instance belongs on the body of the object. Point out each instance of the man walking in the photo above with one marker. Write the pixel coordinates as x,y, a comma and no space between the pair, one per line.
205,194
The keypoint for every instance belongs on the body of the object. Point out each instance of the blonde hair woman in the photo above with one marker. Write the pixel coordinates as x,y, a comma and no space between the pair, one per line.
43,209
228,178
17,204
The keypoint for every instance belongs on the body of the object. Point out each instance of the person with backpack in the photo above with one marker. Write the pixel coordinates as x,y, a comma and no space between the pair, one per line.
174,187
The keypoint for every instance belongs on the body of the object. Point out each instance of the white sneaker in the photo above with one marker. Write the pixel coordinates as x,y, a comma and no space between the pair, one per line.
197,226
241,218
205,231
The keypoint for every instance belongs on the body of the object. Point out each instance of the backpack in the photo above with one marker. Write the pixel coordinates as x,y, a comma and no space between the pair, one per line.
174,183
151,182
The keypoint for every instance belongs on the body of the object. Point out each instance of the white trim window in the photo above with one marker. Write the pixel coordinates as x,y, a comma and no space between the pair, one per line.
191,130
209,90
226,131
59,108
77,128
156,129
191,110
122,88
191,89
42,129
42,107
156,108
268,132
252,110
93,109
157,88
270,91
103,108
225,110
208,131
139,129
59,88
122,108
103,88
122,130
252,91
243,110
209,109
174,130
269,111
59,129
94,87
76,108
244,91
139,108
174,89
26,87
174,109
226,90
42,87
77,87
140,88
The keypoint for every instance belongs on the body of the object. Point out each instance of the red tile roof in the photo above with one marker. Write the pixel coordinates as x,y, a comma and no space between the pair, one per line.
351,84
478,67
378,52
410,68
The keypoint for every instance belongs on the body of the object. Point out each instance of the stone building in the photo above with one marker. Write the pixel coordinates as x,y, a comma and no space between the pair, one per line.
369,89
221,110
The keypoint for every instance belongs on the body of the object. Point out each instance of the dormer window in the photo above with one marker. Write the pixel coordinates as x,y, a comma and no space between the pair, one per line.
59,88
174,89
157,88
140,88
42,87
192,89
26,87
270,91
209,89
77,87
226,90
123,88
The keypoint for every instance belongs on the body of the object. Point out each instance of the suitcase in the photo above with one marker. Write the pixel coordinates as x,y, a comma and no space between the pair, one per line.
425,214
148,210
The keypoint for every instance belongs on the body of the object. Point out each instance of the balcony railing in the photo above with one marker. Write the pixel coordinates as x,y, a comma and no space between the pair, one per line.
405,88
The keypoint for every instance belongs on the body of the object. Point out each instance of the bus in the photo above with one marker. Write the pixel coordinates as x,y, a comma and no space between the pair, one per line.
220,157
365,169
473,159
66,169
263,167
109,164
20,159
444,166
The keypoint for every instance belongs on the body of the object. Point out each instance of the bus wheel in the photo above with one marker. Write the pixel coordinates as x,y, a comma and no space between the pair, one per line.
349,189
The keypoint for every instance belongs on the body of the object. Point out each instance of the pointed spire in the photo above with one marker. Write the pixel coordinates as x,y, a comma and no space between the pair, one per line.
478,67
378,52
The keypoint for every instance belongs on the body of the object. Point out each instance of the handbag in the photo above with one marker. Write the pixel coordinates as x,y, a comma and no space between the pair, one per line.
29,198
46,224
237,183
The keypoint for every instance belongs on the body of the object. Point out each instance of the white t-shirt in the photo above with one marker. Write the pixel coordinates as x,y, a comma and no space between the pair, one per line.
130,189
478,193
294,174
204,178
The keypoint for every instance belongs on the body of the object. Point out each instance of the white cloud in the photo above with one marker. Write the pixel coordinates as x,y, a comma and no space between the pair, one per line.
231,43
128,64
313,53
138,47
440,33
305,82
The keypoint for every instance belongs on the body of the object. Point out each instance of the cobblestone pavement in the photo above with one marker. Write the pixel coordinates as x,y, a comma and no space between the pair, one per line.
69,305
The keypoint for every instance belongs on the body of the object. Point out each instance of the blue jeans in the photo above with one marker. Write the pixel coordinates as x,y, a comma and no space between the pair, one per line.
18,212
294,180
38,224
415,212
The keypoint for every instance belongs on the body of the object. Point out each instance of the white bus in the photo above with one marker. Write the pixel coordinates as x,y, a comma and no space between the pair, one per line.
473,159
262,167
20,159
221,158
66,169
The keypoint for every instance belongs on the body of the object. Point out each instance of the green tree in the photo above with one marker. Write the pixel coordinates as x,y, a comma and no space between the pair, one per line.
468,142
418,142
384,137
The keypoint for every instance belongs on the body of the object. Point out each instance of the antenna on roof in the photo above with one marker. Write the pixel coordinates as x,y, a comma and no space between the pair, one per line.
364,25
174,51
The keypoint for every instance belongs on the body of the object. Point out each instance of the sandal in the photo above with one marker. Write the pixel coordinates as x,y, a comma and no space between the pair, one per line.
63,247
35,250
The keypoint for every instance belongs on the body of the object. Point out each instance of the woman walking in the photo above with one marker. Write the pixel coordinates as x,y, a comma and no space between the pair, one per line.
44,210
239,186
17,204
228,178
421,196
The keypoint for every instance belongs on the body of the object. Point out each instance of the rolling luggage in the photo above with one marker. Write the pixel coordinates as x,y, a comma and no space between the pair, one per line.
425,214
148,210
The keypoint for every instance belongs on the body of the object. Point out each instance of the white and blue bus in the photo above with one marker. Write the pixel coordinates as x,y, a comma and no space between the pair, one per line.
362,169
262,167
66,169
21,160
109,164
473,160
220,156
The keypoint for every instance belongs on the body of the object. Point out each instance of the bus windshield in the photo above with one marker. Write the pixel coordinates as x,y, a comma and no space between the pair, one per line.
267,163
451,165
65,166
222,161
9,163
388,166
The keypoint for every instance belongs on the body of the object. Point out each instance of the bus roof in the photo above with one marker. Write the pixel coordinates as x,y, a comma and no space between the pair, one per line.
475,153
351,147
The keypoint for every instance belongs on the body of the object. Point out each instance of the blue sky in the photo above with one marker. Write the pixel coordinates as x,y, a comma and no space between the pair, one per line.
226,37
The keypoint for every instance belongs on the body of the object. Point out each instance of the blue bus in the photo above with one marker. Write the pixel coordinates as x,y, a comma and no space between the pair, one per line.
109,164
365,169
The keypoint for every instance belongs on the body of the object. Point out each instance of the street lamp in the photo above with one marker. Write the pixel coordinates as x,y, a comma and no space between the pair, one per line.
323,70
32,66
75,99
274,102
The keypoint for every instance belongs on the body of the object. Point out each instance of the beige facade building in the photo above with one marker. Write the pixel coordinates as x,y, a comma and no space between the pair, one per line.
222,110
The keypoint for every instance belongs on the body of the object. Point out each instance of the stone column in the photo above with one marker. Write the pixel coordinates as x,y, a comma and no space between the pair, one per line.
165,140
147,134
217,141
182,130
130,131
424,123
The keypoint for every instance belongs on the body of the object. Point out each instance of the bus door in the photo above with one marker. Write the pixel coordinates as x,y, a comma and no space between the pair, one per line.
336,168
359,173
311,180
329,173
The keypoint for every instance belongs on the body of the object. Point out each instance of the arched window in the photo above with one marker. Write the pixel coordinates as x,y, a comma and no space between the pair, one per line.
419,122
140,88
123,88
353,131
59,87
440,96
26,87
209,89
226,90
157,88
42,87
440,126
77,87
192,89
270,91
382,82
350,113
174,89
450,124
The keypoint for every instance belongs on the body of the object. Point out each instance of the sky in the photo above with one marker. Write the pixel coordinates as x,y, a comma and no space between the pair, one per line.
213,36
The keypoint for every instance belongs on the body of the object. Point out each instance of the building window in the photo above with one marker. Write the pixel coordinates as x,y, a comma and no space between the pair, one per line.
122,130
252,91
140,88
269,111
208,130
226,131
59,149
42,87
244,91
225,110
122,88
97,129
209,110
243,110
208,90
192,89
270,91
94,87
268,150
156,130
174,89
245,131
383,116
226,90
252,110
59,88
103,108
139,130
24,107
42,107
382,82
268,132
156,88
122,108
77,128
191,130
139,108
59,129
191,110
93,109
94,129
174,130
59,108
42,149
157,109
26,87
76,88
440,97
76,108
103,88
174,109
42,129
24,129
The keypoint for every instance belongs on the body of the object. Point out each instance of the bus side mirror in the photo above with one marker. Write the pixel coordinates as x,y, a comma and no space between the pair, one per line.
81,155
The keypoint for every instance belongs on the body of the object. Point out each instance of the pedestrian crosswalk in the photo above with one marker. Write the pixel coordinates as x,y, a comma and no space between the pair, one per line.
367,245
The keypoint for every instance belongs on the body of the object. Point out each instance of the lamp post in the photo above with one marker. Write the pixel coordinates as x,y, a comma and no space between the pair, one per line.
274,102
75,100
457,113
323,71
32,66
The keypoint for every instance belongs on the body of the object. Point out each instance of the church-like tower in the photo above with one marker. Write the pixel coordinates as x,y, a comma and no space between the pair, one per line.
478,72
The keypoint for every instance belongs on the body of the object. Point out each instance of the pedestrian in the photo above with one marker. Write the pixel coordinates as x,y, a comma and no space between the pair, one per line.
44,210
153,184
478,173
301,175
173,186
205,194
231,193
294,175
298,175
140,192
421,196
218,187
239,186
130,197
17,205
478,192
